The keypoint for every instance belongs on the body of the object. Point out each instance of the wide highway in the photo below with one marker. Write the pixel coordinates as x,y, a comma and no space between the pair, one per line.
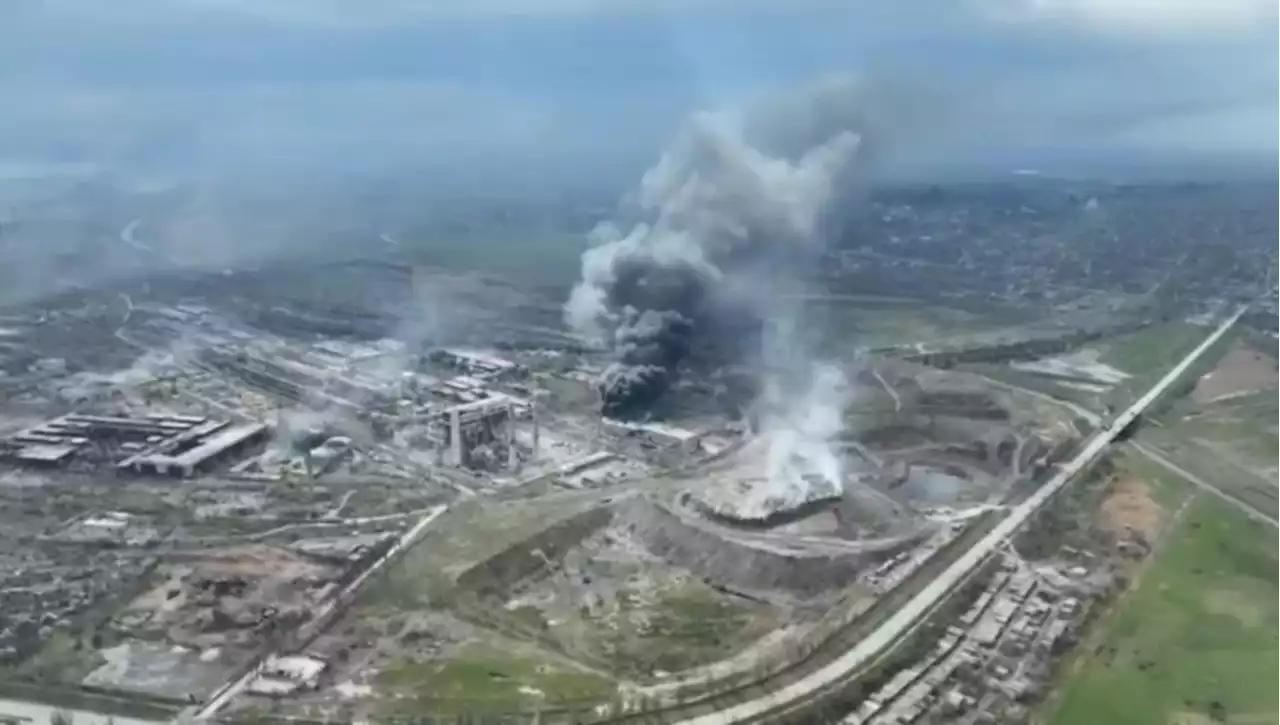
901,622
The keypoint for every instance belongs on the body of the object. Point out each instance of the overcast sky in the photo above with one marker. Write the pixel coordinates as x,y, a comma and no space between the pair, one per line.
580,86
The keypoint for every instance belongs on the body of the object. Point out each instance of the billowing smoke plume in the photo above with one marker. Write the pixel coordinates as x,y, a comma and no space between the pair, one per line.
730,207
803,416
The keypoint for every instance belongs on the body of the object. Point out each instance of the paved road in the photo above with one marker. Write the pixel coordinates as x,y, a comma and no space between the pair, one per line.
905,618
127,236
897,401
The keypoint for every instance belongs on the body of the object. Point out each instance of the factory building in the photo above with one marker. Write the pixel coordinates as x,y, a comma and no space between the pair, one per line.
202,455
480,365
474,433
161,443
281,676
654,435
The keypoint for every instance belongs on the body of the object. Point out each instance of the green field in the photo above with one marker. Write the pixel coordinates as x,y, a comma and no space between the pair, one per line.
687,626
535,257
1196,641
921,324
1231,444
464,536
1150,353
1146,355
483,681
1166,488
1243,427
888,322
1255,442
1153,349
1024,380
1256,406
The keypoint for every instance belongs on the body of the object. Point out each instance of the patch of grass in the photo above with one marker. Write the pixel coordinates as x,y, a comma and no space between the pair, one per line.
1259,406
110,703
1259,443
530,616
481,681
1245,426
535,256
1166,487
1153,349
699,620
467,534
902,324
1038,383
887,322
1217,467
1196,639
1149,354
687,627
65,657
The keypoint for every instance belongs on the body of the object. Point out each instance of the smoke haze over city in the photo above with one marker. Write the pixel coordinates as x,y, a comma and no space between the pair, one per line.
571,89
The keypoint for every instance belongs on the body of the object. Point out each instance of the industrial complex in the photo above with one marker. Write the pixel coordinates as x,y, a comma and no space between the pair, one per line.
776,443
243,523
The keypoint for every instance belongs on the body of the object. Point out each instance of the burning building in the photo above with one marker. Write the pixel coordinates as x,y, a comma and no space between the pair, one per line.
695,275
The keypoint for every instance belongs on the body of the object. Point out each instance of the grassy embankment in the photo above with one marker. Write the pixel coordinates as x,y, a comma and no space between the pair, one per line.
1195,641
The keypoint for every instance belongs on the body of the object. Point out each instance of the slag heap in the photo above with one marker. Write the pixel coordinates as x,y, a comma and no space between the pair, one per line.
728,209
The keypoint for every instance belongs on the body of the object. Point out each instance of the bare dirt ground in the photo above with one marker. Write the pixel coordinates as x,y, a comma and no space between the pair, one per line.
261,560
272,577
1130,506
1242,370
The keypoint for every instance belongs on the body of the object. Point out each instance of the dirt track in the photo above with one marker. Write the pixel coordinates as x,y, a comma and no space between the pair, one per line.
1241,370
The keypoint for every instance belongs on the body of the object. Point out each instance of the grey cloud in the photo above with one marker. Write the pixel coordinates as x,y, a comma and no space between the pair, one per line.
1145,18
223,126
340,14
229,82
728,207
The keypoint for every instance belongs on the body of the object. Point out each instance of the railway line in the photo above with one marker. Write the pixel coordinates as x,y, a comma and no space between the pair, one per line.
859,642
845,633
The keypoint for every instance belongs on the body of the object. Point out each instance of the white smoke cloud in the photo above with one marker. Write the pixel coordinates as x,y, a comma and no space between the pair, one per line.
724,217
715,187
1143,17
711,193
343,15
799,428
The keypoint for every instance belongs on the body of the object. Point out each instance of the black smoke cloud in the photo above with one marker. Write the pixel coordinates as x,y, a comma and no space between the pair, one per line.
718,227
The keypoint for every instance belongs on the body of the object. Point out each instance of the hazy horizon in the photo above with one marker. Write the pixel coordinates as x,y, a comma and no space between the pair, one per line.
575,90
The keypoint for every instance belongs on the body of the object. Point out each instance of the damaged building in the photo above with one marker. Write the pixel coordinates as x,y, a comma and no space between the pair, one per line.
480,434
479,365
158,443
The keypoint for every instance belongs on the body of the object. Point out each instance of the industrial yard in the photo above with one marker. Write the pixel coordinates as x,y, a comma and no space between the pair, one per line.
771,444
213,511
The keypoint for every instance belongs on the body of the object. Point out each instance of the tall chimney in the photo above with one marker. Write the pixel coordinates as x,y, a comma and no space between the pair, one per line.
513,458
533,411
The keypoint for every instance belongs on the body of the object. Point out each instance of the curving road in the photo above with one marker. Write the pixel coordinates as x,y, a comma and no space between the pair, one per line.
127,236
897,401
922,603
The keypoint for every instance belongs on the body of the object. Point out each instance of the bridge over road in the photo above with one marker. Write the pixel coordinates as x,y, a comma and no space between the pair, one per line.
900,622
